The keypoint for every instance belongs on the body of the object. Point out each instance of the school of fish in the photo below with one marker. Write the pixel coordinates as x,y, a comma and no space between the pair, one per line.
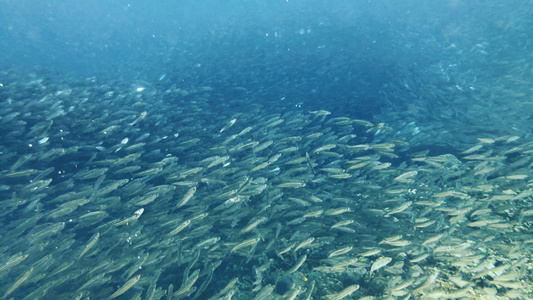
111,192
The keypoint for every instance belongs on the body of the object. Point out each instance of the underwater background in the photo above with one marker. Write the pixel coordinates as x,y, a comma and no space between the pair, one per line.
266,149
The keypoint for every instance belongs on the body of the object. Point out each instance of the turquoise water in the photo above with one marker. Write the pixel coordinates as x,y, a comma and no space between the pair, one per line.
278,151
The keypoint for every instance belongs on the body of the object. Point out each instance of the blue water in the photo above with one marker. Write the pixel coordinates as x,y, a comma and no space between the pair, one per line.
76,77
341,55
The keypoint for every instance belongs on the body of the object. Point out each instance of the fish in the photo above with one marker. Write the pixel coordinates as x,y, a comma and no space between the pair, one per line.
128,285
188,196
378,264
344,293
155,179
298,265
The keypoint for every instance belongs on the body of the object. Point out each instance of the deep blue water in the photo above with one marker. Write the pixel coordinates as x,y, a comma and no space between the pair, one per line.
344,56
